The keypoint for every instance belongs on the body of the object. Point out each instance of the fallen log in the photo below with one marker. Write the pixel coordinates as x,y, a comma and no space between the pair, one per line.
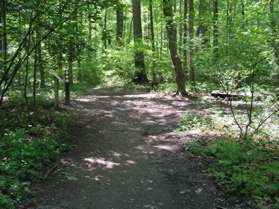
230,96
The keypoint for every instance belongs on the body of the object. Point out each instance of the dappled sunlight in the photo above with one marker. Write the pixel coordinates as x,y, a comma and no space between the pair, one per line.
170,147
68,162
82,99
100,162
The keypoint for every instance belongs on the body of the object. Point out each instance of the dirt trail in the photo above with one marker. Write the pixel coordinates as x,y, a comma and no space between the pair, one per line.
128,156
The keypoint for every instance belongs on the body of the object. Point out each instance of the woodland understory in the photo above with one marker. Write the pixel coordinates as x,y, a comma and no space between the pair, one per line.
221,56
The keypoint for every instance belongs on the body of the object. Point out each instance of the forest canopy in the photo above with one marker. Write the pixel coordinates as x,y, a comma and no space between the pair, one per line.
207,45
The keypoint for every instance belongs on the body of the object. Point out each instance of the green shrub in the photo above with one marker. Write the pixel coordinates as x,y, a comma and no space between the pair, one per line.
32,142
248,169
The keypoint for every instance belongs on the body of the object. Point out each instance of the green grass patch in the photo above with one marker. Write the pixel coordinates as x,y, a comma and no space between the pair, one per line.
247,169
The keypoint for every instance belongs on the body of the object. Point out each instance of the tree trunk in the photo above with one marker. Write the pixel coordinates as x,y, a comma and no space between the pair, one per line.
152,38
191,42
56,79
3,36
180,42
105,33
275,37
243,14
41,66
228,25
35,73
140,73
25,93
202,29
215,32
185,36
172,38
119,23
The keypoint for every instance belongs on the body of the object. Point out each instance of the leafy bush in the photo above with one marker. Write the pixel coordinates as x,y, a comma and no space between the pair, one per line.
33,141
247,169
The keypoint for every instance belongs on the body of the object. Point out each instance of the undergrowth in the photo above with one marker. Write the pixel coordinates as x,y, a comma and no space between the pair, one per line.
29,141
192,120
247,169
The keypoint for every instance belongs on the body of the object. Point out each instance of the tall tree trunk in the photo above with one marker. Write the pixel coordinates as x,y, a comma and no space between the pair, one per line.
78,25
172,38
229,25
191,42
180,42
161,39
275,36
119,23
56,78
39,56
202,29
152,38
185,36
25,93
243,14
35,70
41,66
105,31
215,31
3,36
140,73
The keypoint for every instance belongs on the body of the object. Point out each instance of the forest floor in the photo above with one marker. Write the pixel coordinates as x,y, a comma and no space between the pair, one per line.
129,155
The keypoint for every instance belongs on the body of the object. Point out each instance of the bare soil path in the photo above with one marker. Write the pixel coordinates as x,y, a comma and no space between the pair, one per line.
128,155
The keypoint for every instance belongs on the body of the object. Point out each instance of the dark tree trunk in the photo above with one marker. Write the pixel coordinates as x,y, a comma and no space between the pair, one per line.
172,37
119,24
275,36
202,29
105,31
229,22
3,36
185,36
243,13
41,67
215,31
191,42
35,73
140,73
152,38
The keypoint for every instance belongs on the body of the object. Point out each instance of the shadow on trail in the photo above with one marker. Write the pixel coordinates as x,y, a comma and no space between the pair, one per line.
128,155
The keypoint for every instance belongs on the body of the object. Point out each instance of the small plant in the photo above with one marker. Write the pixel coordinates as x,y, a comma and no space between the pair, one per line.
192,120
256,117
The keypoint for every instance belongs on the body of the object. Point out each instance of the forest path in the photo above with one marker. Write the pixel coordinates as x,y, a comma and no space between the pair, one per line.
128,155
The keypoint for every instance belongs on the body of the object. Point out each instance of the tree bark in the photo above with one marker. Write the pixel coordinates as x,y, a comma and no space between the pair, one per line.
119,23
140,73
202,29
215,31
185,36
172,38
275,37
152,38
105,31
191,42
3,36
229,21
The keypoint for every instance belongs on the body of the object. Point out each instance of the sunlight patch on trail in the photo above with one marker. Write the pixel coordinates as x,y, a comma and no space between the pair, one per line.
102,162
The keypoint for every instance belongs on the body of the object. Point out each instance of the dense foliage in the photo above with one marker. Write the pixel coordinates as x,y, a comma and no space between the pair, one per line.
248,170
29,142
217,43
